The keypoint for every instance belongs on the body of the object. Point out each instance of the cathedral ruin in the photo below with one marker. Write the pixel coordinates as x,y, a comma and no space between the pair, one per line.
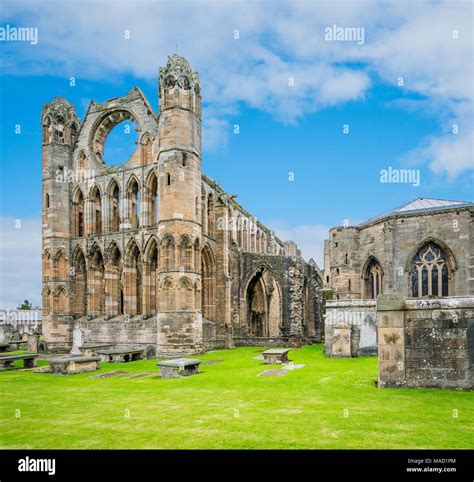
154,254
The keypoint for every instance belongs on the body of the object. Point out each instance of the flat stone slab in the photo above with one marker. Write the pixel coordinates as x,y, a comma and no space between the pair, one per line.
273,372
73,365
276,351
43,369
179,367
114,373
212,362
139,375
259,357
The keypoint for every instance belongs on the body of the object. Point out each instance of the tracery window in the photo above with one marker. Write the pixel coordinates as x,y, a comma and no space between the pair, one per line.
375,280
429,272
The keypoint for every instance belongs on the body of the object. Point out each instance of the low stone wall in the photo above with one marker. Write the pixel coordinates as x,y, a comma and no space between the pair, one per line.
135,332
350,328
426,343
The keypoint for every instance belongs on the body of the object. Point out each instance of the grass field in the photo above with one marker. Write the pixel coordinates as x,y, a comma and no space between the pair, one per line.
330,403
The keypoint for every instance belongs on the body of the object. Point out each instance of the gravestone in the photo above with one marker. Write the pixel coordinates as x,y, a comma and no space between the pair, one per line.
76,341
32,343
341,344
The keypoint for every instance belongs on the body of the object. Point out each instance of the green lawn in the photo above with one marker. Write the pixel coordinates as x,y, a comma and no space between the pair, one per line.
330,403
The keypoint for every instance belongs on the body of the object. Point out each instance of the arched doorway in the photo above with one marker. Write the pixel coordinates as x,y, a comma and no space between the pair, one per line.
263,304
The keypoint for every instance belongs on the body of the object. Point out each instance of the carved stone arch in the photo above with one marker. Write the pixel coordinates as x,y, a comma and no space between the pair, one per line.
185,250
60,264
444,247
114,295
60,300
47,265
47,300
150,199
262,295
372,275
73,131
151,244
78,212
208,277
185,294
146,148
168,298
167,253
95,200
132,197
104,124
131,249
82,159
114,205
79,263
95,188
365,269
150,276
262,266
431,268
133,279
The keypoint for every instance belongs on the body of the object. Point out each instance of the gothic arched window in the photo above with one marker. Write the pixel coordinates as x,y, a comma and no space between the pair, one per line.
429,272
375,280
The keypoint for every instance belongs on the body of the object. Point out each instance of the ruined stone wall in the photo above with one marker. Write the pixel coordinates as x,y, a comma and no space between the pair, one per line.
426,343
153,251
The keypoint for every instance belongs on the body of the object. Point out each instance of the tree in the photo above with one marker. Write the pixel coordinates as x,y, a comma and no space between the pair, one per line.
26,305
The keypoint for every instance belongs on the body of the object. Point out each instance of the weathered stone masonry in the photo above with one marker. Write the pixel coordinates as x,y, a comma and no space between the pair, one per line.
426,343
153,253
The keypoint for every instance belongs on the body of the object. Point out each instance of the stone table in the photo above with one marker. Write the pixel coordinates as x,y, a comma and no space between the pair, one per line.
275,356
179,367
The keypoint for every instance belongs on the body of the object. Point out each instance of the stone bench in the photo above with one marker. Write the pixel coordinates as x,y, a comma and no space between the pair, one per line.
180,367
91,349
119,355
74,364
8,361
275,356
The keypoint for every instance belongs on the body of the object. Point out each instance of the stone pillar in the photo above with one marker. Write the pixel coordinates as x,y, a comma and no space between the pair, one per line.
32,341
391,340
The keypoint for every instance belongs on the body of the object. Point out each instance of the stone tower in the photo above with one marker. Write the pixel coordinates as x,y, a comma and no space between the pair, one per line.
179,218
60,126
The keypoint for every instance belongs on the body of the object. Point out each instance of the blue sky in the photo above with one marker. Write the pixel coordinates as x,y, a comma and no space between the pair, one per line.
245,81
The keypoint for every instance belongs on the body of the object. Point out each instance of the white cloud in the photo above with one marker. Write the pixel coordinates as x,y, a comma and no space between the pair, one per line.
279,40
20,262
309,238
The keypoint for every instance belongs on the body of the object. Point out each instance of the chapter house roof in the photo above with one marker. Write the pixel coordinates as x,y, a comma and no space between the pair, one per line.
420,205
